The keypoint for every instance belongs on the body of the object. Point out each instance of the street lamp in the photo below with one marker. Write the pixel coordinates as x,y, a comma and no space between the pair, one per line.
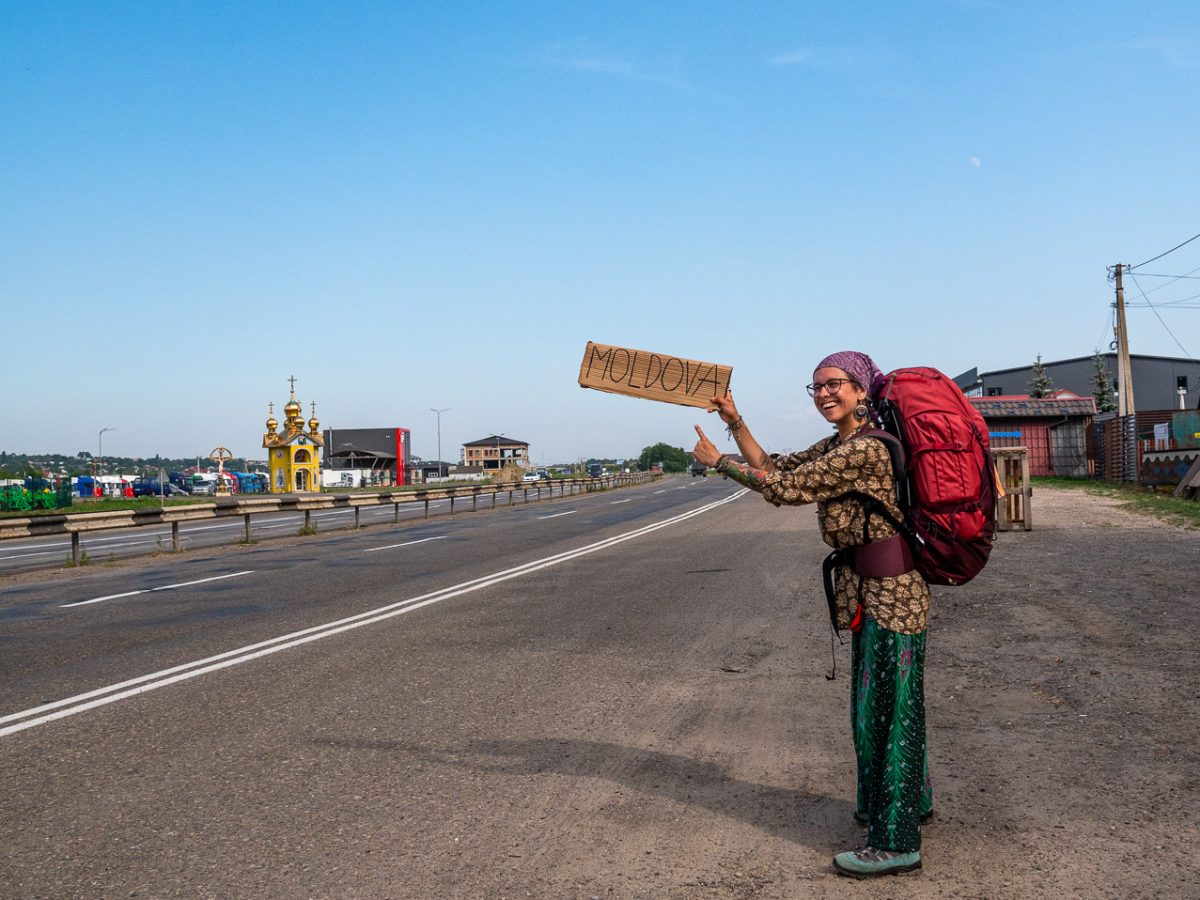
438,413
100,448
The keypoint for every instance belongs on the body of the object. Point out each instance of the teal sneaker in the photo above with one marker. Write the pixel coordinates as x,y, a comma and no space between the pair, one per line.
870,862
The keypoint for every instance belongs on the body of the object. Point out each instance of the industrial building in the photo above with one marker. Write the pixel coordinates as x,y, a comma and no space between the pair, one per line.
384,454
1159,382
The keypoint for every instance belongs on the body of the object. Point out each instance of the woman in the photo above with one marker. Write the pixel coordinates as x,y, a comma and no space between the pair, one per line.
886,614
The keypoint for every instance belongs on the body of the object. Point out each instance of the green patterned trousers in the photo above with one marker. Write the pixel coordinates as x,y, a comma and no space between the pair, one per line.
887,713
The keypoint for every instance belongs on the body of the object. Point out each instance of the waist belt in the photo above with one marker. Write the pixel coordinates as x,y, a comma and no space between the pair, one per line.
877,559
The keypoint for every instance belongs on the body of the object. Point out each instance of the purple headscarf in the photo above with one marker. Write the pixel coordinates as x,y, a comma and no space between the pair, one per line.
857,365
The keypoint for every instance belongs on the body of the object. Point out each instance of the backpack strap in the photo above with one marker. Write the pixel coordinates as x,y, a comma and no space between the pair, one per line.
885,558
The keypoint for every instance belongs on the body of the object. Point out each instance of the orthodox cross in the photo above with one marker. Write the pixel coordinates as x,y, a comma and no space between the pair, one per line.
292,382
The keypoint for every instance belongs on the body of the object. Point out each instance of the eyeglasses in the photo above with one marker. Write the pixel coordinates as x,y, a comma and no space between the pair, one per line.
832,386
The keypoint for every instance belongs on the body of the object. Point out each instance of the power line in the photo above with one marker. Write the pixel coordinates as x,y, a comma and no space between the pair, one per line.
1157,316
1181,303
1164,253
1108,327
1172,277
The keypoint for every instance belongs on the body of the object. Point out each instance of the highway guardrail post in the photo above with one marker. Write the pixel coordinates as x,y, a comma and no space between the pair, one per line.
175,536
74,548
247,517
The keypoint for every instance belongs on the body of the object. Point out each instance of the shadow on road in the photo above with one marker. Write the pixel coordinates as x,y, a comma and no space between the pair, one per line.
796,815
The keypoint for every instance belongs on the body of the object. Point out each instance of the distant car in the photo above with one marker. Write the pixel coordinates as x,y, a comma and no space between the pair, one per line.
699,470
543,474
595,470
531,476
204,487
151,487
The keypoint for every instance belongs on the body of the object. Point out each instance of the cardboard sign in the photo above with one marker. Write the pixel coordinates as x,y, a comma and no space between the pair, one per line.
652,376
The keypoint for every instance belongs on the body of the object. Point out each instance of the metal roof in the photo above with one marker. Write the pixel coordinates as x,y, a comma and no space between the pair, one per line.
494,440
1076,359
1021,407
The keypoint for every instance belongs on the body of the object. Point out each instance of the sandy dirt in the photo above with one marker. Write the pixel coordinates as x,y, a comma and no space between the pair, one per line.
1064,719
1064,734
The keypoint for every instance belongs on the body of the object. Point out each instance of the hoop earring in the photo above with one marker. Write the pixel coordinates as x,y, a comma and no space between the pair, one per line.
860,411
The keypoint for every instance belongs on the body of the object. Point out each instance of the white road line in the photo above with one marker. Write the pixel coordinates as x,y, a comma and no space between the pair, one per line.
86,545
64,541
165,587
663,491
556,515
407,544
142,684
626,500
39,553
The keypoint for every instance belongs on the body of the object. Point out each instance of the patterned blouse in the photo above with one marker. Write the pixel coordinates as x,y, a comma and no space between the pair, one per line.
822,474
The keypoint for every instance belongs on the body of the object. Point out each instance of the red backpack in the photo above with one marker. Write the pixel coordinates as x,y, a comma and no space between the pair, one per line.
944,475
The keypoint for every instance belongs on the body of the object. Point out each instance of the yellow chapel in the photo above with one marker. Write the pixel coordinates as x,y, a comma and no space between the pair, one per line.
293,454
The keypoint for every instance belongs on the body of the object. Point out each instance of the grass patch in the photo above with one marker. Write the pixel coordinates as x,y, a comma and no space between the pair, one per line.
1173,510
108,504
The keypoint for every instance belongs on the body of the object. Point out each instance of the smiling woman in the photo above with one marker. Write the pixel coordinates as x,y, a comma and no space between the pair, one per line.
849,476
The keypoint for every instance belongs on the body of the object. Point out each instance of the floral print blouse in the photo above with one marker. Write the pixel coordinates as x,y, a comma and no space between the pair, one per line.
822,474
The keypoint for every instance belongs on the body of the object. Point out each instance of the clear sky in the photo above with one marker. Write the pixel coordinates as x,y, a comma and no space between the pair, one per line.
412,206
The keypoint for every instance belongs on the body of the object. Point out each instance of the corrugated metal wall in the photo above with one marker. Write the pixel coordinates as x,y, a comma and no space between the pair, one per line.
1055,447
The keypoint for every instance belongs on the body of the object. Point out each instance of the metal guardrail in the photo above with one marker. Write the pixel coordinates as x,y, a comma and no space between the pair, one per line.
75,524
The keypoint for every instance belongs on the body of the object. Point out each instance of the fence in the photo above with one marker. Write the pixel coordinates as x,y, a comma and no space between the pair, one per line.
223,508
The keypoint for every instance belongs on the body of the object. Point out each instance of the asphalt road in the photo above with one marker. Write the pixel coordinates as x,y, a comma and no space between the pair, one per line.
31,554
299,718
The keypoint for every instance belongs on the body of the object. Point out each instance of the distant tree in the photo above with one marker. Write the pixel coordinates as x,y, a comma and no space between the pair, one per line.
672,459
1102,389
1041,384
83,454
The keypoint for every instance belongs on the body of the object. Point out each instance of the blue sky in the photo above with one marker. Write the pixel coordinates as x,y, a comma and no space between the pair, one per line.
412,206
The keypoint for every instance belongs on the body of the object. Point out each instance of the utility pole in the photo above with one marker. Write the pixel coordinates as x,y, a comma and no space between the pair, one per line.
1125,405
100,448
438,413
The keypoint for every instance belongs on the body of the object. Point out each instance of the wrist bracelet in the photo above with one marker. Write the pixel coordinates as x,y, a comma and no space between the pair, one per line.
735,426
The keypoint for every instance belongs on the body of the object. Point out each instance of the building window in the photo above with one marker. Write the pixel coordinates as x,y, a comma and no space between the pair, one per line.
995,392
